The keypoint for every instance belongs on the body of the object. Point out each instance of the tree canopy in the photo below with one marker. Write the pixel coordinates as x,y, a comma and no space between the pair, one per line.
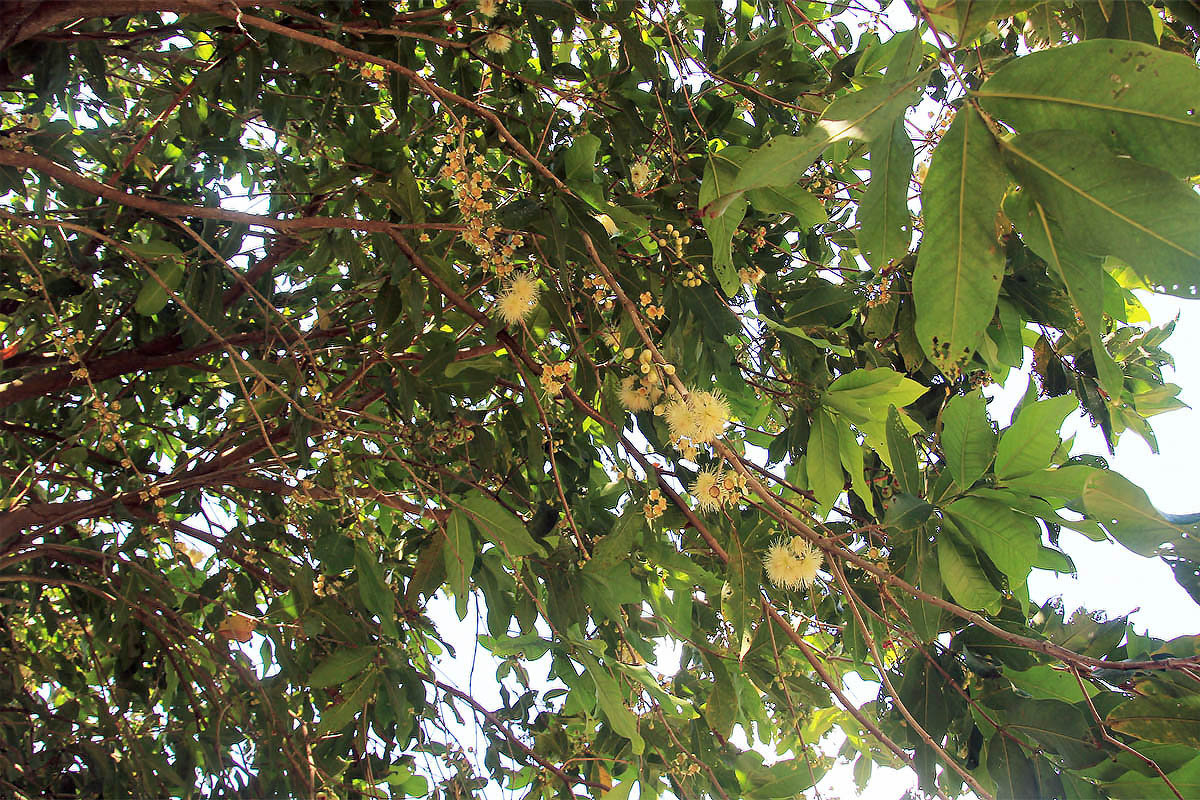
632,327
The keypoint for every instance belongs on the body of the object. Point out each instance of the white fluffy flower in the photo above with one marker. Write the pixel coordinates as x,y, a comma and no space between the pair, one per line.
498,41
793,563
518,299
707,489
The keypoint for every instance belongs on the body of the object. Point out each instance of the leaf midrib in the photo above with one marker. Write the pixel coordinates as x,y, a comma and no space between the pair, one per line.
1098,203
983,94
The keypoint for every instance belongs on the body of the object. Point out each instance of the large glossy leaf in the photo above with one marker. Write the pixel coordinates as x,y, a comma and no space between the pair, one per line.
1011,769
720,172
957,278
1138,99
1081,274
860,115
1138,786
1010,539
823,461
903,454
1109,205
499,525
1059,727
611,703
376,594
804,206
963,577
968,440
885,224
1173,720
1127,513
1030,442
863,394
459,555
741,604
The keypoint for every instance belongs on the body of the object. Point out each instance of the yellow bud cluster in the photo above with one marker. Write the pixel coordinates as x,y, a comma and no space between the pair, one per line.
654,506
554,377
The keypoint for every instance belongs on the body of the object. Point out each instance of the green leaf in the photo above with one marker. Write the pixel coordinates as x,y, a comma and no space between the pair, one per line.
719,174
608,697
1011,769
356,696
614,548
860,115
929,697
968,440
885,223
957,277
1110,205
804,206
1082,275
340,667
1137,786
1029,443
376,595
851,454
1173,720
787,778
1063,483
1059,727
905,512
903,455
865,394
622,790
1010,539
459,556
963,577
740,605
1127,513
823,461
1136,98
499,525
153,296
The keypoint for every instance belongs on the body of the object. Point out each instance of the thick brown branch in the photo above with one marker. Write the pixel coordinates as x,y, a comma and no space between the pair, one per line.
172,210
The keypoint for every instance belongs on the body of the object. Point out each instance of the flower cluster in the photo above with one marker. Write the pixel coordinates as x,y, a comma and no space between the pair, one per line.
554,376
471,186
676,241
488,8
751,277
498,41
652,311
601,294
654,506
519,299
699,418
715,487
639,173
793,563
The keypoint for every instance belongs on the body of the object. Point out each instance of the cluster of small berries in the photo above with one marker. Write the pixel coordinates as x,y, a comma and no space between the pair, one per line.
674,240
